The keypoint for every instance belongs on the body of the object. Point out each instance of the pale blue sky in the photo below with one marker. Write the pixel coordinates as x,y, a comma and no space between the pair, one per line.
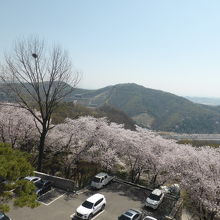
171,45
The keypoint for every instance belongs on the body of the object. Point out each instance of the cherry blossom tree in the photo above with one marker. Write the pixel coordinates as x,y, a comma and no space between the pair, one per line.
133,153
86,138
142,151
17,126
200,176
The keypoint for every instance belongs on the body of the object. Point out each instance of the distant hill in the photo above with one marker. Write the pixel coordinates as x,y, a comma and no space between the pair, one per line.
204,100
154,109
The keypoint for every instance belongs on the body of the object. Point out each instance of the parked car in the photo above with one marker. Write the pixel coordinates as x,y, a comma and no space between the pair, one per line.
6,185
149,218
131,214
2,179
3,182
154,199
3,216
173,189
101,180
42,186
32,178
91,206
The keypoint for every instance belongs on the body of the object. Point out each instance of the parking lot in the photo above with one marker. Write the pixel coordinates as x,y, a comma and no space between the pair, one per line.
58,204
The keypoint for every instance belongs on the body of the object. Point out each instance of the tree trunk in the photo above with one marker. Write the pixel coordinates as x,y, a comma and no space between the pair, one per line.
212,215
41,149
153,180
138,177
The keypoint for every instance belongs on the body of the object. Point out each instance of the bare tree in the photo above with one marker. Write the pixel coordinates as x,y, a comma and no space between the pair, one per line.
38,78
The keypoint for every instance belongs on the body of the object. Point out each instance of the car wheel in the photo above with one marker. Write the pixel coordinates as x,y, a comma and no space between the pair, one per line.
90,217
103,207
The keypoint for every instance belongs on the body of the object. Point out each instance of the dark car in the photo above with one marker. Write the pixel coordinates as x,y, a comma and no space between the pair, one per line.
2,183
42,186
3,216
131,214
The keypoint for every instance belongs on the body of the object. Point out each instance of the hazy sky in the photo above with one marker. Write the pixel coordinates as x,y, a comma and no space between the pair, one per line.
170,45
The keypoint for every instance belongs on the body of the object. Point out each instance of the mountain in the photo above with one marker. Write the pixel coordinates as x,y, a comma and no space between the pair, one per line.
154,109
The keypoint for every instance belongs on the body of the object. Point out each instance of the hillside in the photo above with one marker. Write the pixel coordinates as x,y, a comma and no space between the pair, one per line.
70,110
154,109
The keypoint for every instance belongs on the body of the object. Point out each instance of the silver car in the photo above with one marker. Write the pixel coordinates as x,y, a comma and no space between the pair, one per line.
131,214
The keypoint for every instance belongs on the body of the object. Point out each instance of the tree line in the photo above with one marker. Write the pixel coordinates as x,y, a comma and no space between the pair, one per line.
96,143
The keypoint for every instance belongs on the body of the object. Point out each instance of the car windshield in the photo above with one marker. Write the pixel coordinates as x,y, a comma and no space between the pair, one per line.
123,217
87,205
96,180
39,184
154,197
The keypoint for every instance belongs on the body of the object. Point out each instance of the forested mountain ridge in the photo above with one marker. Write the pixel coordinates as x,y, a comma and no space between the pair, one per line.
154,109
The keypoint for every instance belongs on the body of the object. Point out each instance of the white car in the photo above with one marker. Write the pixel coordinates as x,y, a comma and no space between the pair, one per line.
101,180
154,199
149,218
91,206
32,178
131,214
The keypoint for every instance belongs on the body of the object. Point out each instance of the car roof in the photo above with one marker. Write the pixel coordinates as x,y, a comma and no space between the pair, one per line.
131,212
101,174
157,192
2,179
31,178
149,217
95,197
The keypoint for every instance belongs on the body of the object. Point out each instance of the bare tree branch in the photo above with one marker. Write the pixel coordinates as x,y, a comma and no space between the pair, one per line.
38,78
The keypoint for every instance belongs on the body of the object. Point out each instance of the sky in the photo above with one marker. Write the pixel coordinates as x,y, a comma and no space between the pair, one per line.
168,45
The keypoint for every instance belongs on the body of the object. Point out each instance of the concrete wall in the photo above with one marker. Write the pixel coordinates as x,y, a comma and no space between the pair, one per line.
176,213
58,182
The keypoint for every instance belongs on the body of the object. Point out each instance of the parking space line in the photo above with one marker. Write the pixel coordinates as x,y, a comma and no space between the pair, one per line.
47,204
71,216
55,199
98,214
80,192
